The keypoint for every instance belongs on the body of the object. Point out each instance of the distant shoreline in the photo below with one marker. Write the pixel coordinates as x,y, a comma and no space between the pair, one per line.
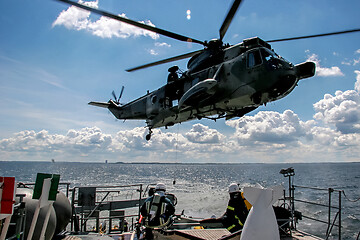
173,163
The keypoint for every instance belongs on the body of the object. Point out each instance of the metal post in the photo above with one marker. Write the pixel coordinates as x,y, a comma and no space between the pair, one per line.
330,190
73,214
5,227
140,201
292,200
67,189
339,215
46,221
33,222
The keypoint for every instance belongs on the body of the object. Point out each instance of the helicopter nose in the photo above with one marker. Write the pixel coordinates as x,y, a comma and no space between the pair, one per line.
305,70
283,85
286,82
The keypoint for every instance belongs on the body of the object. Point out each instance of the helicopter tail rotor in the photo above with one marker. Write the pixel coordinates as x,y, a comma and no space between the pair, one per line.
117,99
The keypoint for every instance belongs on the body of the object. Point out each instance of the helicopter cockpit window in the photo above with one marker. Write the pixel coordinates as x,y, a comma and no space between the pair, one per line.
254,59
268,55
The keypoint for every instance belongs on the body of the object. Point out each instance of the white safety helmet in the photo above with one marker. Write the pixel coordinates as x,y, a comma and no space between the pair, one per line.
234,188
160,187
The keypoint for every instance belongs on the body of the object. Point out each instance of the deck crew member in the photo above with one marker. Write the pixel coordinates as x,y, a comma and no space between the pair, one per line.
237,209
157,210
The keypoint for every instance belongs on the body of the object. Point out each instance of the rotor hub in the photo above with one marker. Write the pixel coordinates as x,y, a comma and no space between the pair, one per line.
214,44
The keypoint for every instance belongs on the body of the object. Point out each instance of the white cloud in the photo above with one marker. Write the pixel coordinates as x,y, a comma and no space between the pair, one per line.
346,62
78,19
333,135
158,47
127,145
322,71
75,18
341,110
357,83
352,62
269,127
83,141
157,44
153,52
203,134
356,61
265,137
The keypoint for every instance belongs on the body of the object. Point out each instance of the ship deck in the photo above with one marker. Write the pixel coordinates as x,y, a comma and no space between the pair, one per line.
192,234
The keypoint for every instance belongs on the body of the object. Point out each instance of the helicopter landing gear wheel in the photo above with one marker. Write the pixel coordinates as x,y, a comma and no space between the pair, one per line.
148,136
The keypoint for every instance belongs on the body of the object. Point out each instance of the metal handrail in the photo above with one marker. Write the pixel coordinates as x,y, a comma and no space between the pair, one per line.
290,173
60,183
314,203
101,189
330,223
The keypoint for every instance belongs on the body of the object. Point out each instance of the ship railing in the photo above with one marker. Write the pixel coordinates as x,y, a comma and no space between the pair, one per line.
18,219
106,204
62,186
296,215
331,222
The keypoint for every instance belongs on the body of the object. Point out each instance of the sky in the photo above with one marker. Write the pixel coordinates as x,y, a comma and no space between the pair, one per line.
54,59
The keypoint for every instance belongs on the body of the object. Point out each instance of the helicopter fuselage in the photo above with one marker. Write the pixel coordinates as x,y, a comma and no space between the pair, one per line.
219,83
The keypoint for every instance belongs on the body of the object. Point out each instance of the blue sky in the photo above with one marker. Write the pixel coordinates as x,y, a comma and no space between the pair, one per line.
55,59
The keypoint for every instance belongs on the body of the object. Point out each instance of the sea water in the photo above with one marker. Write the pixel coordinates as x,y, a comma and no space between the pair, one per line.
201,189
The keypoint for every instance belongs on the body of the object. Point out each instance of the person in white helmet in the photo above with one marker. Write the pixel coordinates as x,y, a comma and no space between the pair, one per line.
237,209
157,210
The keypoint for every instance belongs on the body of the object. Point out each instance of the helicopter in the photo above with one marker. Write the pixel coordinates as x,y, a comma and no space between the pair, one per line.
221,80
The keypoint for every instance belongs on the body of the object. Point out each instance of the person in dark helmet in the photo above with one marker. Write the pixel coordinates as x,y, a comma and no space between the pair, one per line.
237,209
157,211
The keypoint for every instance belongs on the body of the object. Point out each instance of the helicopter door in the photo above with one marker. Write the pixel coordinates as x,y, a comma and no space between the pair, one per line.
253,64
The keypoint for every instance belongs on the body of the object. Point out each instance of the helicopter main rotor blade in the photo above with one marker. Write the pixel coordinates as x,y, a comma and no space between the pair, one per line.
172,59
229,17
314,36
134,23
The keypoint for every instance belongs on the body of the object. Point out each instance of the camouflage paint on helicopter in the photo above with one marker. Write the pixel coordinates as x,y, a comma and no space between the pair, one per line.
246,76
222,81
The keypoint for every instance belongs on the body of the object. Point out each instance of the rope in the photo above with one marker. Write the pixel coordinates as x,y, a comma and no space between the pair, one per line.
350,200
177,143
